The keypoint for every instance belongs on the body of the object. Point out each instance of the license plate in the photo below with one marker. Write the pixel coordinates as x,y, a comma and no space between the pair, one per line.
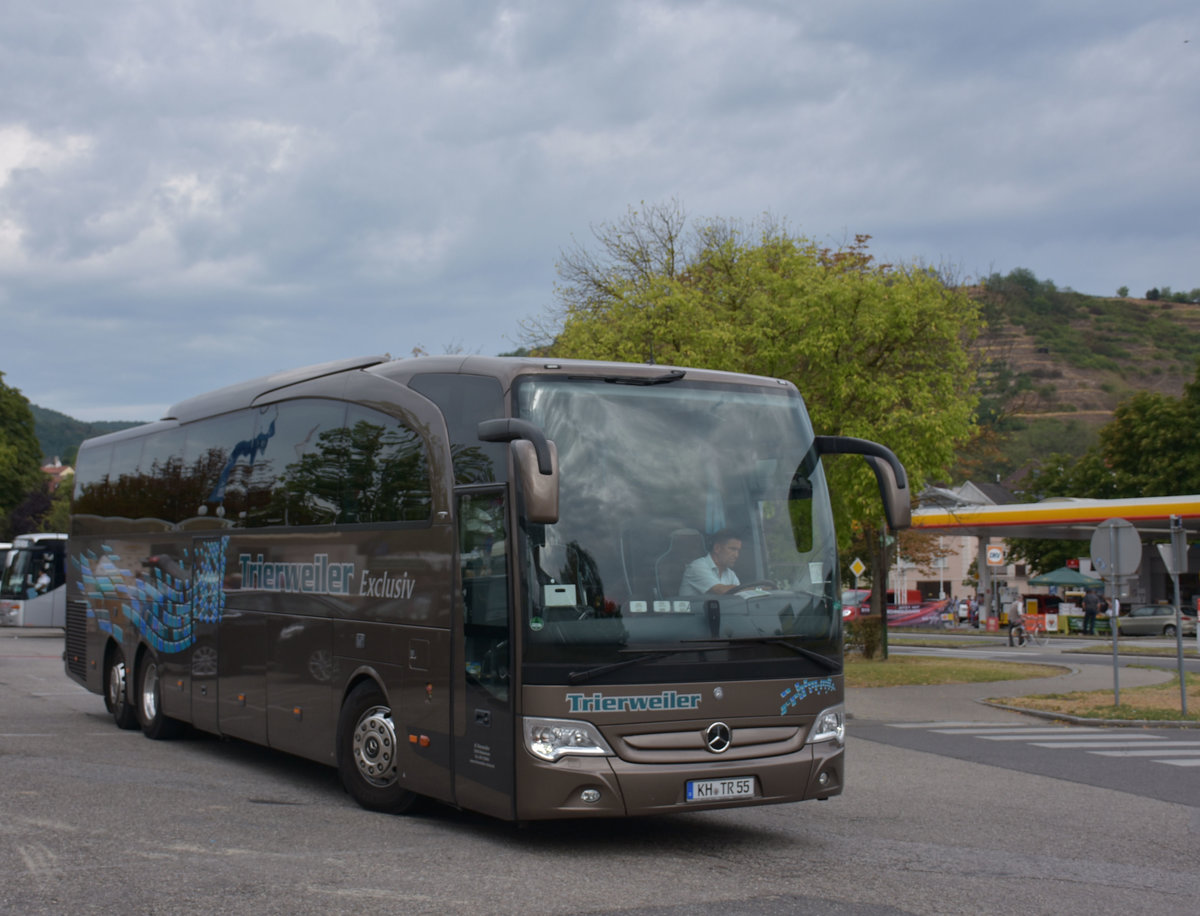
714,789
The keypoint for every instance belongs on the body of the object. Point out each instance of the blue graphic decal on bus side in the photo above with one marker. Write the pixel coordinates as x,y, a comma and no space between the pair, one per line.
155,598
209,600
801,689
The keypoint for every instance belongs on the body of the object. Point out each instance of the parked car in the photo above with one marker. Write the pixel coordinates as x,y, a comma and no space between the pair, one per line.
1155,620
855,603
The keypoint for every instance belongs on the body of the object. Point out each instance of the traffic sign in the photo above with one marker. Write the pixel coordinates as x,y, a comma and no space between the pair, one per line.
1116,548
858,567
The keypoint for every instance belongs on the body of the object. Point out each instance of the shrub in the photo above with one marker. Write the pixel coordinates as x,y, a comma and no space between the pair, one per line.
864,636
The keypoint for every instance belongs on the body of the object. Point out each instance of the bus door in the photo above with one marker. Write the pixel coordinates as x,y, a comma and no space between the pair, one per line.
484,713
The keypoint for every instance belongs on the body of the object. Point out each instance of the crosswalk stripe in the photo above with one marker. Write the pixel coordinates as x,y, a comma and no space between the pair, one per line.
1104,742
1090,745
949,725
989,732
1064,736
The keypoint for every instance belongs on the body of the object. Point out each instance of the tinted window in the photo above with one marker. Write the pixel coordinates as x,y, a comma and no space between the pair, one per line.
162,493
465,400
303,462
386,470
91,477
299,464
217,483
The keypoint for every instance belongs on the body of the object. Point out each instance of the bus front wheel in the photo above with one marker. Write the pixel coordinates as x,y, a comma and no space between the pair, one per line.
368,752
116,696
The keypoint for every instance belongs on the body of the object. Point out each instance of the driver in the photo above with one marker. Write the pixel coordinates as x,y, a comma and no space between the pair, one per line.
713,573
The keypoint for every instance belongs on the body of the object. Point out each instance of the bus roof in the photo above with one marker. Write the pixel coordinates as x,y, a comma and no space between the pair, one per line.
244,394
504,368
507,368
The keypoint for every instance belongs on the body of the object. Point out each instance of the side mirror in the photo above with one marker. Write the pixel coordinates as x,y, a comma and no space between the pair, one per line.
889,474
536,461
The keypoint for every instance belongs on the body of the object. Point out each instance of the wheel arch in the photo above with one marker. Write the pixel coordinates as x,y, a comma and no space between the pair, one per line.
362,675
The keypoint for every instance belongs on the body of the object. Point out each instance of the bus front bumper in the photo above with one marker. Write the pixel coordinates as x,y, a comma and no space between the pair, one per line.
611,787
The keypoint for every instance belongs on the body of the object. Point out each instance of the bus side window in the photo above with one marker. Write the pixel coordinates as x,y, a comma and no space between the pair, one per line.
388,474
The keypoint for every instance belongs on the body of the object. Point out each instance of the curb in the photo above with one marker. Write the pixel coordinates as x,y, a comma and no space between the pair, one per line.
1083,720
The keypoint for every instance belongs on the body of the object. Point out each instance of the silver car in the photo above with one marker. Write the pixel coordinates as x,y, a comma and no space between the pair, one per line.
1156,620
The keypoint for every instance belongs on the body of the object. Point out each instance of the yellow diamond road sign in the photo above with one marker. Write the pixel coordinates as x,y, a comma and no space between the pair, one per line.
857,567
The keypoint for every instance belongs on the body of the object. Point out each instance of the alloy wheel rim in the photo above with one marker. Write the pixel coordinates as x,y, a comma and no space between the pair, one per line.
375,746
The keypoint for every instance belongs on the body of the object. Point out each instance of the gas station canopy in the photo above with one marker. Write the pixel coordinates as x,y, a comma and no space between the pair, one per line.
1067,518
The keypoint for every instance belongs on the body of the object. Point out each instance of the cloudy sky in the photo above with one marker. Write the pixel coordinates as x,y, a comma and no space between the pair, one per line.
196,193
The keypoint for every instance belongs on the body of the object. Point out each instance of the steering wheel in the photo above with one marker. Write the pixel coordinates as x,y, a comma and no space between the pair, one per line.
765,584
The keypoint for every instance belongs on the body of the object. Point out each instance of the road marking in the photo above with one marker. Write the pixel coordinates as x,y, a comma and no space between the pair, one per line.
989,732
1115,743
982,725
1096,745
1065,736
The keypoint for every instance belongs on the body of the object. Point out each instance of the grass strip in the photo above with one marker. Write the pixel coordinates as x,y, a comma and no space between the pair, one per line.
1155,703
1126,649
917,670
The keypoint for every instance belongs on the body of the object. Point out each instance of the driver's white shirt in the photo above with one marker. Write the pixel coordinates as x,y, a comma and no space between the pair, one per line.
702,574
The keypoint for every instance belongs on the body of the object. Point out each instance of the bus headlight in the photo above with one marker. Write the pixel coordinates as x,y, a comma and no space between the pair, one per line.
830,726
550,739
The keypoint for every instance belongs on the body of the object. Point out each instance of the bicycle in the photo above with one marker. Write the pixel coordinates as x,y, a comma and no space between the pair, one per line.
1030,629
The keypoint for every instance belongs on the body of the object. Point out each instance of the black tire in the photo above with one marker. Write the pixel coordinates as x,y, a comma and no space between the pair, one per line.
1169,630
150,716
368,752
116,692
1041,637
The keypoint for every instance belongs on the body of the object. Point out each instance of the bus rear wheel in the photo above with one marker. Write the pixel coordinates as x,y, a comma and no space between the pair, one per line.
368,752
116,696
154,723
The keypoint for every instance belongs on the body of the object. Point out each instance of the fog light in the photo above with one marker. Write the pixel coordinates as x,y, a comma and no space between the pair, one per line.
591,796
823,780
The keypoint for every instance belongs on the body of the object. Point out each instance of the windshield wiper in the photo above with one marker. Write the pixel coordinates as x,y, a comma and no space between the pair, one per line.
709,645
744,642
827,663
666,378
648,655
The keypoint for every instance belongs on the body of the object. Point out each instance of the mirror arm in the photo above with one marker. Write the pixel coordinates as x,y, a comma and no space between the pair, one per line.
889,473
509,429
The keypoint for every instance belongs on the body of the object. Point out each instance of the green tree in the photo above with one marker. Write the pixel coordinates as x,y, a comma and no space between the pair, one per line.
20,455
1123,292
878,351
1147,449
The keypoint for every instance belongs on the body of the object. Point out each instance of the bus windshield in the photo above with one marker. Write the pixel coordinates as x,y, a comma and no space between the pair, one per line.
648,474
20,573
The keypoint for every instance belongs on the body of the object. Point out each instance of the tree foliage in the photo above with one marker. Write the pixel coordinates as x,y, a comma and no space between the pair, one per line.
20,455
878,351
1147,449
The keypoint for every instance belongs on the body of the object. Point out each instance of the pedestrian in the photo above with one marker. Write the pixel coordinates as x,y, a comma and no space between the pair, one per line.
1091,607
1015,622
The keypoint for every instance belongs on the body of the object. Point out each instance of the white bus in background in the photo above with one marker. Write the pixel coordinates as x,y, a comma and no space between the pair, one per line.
33,585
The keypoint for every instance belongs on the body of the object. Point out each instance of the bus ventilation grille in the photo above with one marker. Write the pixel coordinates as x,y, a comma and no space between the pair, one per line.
76,638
